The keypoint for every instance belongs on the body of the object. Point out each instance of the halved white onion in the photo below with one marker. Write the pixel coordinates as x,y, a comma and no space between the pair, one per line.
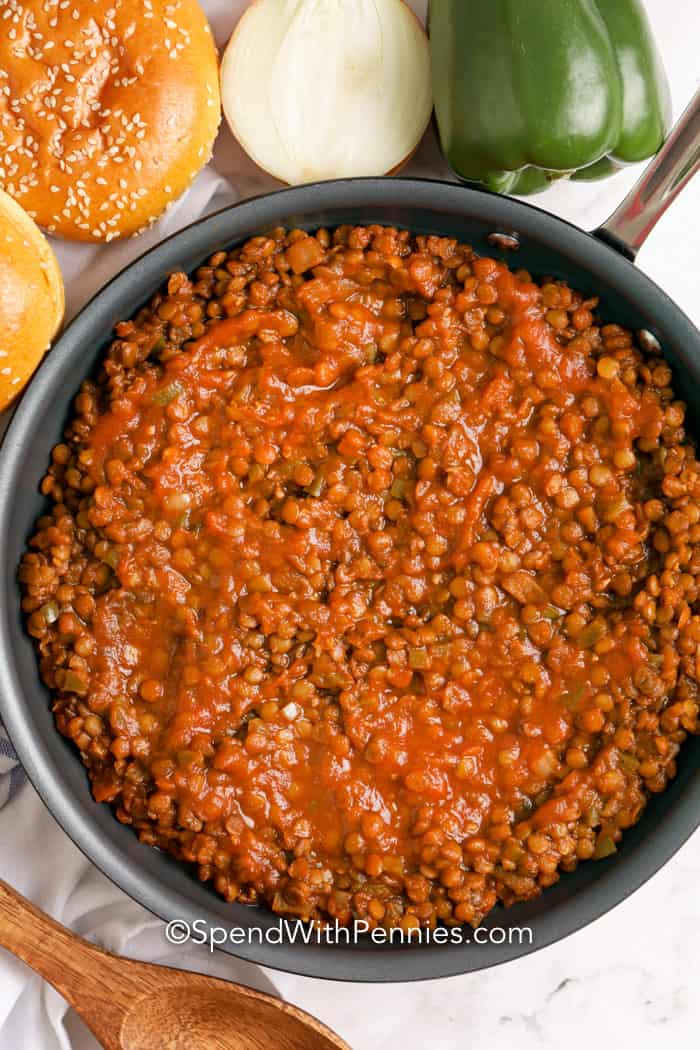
323,89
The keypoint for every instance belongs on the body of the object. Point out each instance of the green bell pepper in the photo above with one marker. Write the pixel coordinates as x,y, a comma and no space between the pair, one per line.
529,91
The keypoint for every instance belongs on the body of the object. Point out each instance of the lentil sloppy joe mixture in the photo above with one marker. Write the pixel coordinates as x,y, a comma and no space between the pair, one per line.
370,579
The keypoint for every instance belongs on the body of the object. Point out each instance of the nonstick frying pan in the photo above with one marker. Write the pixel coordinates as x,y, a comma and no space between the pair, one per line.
599,264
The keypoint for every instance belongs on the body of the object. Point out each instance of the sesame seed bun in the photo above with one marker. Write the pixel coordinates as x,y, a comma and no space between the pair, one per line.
31,298
108,110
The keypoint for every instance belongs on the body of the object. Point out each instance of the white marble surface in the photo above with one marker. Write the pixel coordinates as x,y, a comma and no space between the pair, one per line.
630,978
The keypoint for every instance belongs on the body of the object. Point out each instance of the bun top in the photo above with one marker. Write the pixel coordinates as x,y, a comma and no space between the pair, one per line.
108,110
31,298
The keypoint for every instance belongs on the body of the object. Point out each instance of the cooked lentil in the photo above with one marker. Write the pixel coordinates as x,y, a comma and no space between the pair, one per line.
370,578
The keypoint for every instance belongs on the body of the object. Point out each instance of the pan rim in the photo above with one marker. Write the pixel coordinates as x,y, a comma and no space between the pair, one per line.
424,962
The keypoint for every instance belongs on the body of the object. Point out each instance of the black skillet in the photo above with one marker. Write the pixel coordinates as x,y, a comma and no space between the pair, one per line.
600,264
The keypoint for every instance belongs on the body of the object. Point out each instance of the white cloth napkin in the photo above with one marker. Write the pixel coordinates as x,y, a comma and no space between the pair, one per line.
35,855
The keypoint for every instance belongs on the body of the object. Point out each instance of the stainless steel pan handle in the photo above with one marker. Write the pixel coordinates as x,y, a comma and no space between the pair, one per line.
670,171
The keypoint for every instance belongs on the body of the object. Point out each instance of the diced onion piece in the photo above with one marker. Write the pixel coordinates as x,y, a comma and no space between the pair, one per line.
323,89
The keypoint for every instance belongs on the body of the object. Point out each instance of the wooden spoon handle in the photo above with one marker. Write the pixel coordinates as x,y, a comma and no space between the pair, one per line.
83,974
141,1006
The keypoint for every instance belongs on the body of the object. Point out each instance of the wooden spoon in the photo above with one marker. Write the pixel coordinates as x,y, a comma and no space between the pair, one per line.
138,1006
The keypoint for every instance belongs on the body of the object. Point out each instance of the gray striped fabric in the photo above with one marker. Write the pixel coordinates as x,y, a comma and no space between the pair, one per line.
11,773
